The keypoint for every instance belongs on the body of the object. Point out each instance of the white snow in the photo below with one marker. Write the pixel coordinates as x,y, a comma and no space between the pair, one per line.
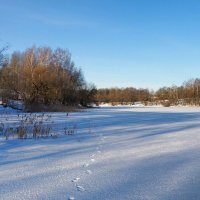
116,153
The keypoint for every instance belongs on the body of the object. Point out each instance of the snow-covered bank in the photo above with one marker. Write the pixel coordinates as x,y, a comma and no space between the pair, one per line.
117,153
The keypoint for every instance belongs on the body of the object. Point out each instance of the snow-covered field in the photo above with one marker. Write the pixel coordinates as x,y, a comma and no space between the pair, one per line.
116,153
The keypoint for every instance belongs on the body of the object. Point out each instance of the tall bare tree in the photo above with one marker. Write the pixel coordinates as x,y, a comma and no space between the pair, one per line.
3,58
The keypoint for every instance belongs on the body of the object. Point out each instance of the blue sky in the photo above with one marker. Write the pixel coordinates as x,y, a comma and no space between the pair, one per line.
139,43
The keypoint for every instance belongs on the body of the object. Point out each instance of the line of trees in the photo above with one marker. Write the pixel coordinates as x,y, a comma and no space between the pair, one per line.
49,77
123,95
186,94
44,76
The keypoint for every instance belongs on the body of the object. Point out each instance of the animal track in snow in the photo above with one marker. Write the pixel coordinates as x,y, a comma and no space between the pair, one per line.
92,160
86,165
76,180
71,198
80,188
88,171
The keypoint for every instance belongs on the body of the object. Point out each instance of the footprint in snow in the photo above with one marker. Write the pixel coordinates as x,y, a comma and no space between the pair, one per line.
88,172
80,188
71,198
92,160
76,180
86,165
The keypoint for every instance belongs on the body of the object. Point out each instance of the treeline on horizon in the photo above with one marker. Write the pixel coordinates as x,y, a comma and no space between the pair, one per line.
186,94
43,76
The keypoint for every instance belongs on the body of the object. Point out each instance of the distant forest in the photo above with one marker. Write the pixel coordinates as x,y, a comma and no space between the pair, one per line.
49,77
186,94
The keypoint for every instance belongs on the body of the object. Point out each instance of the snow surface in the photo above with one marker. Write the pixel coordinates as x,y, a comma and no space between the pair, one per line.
117,153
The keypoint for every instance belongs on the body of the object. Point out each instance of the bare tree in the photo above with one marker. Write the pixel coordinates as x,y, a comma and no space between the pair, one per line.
3,58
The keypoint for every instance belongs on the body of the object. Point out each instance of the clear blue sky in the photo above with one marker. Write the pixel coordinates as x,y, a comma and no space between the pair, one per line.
139,43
